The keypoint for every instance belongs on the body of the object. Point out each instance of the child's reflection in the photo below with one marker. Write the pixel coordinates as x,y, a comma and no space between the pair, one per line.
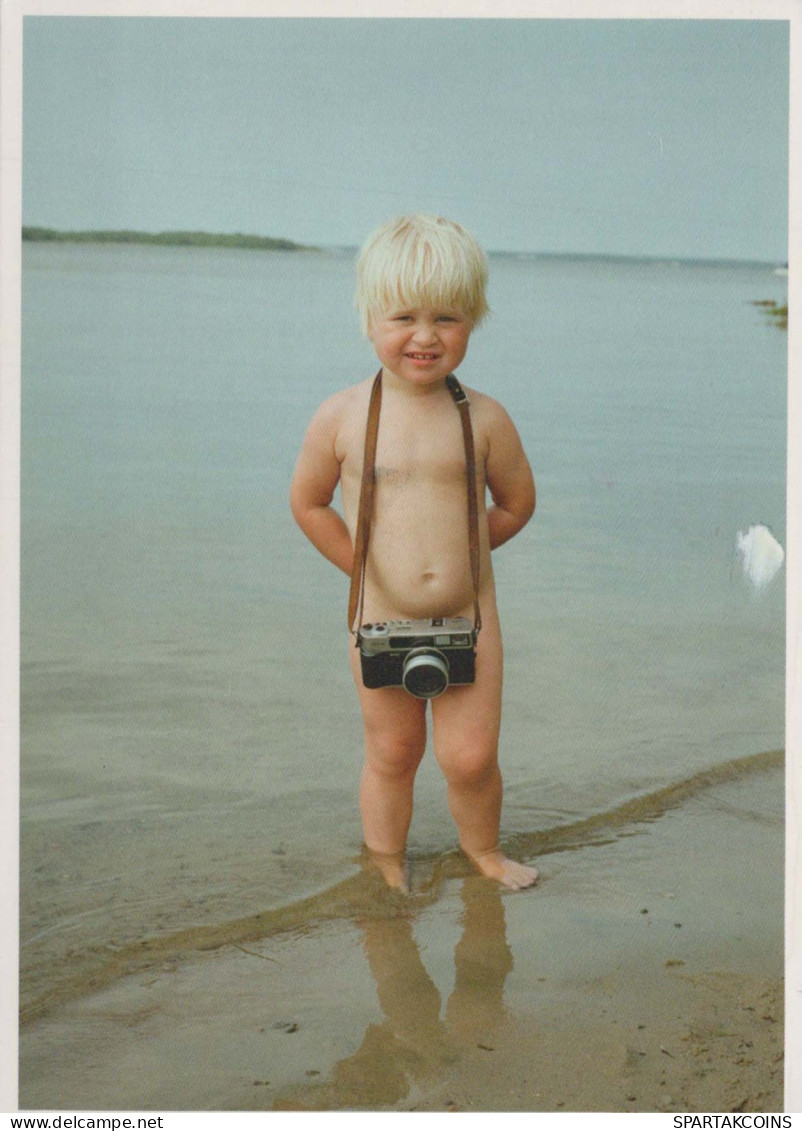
412,1045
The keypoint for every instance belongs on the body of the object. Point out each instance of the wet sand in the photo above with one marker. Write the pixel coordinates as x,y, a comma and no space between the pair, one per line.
644,973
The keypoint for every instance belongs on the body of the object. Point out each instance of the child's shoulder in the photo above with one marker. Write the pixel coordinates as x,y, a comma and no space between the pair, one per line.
342,404
335,426
486,409
493,427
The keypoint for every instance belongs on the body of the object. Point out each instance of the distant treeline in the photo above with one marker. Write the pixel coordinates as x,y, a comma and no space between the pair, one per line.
172,239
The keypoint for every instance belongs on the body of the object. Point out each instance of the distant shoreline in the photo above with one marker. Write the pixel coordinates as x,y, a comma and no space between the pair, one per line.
165,239
271,243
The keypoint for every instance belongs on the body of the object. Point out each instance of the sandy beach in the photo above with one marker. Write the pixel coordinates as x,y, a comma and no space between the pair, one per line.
644,973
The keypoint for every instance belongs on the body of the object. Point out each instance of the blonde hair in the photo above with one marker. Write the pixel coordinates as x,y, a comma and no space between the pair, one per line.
420,260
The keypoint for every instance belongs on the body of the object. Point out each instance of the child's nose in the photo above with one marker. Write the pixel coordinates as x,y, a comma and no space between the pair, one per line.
424,332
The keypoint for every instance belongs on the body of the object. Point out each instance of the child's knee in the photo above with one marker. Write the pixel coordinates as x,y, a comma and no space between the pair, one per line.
470,766
394,756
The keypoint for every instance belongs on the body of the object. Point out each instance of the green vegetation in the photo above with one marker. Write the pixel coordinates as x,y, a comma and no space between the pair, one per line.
775,310
167,239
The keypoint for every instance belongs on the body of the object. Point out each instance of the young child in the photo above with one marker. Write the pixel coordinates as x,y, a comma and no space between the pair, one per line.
420,292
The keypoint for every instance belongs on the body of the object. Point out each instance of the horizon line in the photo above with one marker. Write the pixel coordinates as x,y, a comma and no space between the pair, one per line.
188,237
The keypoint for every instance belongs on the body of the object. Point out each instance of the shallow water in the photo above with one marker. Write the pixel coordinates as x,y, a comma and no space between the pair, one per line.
190,740
460,993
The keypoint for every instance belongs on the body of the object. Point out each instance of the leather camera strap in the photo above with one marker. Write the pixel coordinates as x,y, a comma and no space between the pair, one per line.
463,404
366,492
357,594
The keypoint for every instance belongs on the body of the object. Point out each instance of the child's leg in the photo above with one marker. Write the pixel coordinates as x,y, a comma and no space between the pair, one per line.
395,739
466,729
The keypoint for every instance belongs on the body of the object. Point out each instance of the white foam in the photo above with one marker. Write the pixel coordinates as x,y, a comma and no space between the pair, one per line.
762,554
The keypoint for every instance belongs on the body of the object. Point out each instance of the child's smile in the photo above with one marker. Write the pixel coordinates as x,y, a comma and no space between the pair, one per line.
421,345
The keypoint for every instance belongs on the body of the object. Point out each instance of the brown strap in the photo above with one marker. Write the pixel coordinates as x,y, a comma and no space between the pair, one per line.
463,404
357,593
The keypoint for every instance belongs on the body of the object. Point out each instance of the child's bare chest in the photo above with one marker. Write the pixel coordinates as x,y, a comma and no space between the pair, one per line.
417,452
420,448
415,465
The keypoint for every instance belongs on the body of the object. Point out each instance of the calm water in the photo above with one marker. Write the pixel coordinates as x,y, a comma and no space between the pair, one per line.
191,742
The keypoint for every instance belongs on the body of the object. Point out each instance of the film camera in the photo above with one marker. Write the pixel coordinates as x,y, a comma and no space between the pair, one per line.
424,656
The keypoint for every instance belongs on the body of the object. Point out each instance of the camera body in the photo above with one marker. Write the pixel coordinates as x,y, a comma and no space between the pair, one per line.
424,656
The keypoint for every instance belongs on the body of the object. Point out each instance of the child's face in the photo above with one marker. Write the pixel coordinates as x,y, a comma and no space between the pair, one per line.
419,344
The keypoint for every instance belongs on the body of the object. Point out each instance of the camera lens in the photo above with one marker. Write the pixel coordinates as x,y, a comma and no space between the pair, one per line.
425,673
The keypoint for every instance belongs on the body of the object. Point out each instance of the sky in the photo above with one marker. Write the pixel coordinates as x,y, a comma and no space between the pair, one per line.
662,138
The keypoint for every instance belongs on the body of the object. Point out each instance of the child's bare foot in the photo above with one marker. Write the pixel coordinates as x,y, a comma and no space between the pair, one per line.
393,868
496,866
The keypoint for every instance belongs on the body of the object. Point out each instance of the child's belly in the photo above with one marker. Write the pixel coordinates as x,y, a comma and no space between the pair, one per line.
419,561
400,589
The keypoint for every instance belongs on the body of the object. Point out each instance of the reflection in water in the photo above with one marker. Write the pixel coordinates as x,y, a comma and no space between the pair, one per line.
412,1045
65,982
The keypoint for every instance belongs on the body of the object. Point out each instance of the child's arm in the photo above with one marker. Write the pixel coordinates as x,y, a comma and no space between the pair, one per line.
314,480
509,479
